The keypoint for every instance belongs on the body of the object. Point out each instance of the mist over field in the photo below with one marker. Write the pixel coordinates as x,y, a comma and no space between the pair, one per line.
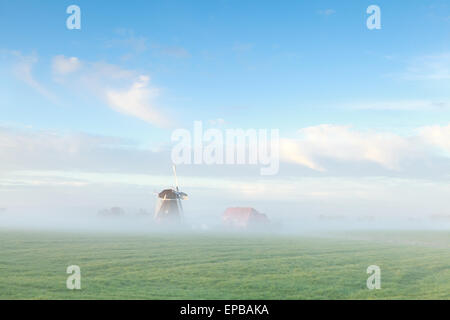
140,221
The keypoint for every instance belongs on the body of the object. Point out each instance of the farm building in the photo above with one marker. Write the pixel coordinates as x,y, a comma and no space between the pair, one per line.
113,212
244,218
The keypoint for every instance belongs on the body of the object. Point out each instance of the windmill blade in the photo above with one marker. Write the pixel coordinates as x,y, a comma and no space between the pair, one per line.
175,174
180,206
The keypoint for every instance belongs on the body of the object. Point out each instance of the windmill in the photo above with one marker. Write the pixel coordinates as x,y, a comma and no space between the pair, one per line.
169,206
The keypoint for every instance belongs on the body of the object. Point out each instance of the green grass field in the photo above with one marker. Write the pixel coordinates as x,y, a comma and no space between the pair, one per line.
414,265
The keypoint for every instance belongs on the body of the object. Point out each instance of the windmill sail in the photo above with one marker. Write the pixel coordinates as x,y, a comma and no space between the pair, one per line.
176,179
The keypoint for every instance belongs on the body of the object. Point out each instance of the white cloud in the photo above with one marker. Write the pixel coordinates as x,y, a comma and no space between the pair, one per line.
402,105
327,12
217,122
171,51
319,148
437,136
292,150
430,67
34,148
128,40
123,90
23,70
62,65
106,73
341,143
30,149
135,45
136,101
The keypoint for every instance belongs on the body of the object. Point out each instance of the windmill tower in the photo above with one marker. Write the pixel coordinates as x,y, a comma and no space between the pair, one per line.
169,207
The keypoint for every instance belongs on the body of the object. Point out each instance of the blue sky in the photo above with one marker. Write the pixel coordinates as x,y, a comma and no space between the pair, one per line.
287,65
255,64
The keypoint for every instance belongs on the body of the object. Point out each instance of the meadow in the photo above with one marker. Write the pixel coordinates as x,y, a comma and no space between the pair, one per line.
414,265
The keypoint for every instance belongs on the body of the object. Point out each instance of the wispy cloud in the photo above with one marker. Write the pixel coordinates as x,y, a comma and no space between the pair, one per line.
327,12
429,67
63,66
405,105
135,45
242,47
437,136
171,51
317,148
318,144
31,149
126,91
123,90
343,144
217,122
137,101
23,69
126,39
